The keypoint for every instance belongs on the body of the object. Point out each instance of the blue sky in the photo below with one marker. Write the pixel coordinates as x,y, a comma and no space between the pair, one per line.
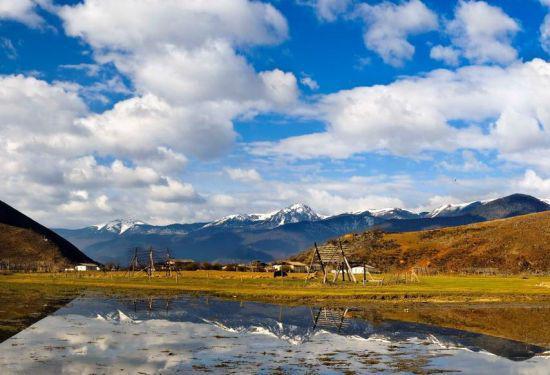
182,111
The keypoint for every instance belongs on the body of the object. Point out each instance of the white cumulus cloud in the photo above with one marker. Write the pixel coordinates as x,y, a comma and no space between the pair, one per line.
245,175
329,10
23,11
483,32
188,83
448,55
388,26
387,118
535,184
545,34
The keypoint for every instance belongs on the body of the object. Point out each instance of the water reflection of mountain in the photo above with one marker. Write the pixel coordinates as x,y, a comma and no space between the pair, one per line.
295,325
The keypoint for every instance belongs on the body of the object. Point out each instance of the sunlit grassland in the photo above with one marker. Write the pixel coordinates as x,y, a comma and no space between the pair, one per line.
294,289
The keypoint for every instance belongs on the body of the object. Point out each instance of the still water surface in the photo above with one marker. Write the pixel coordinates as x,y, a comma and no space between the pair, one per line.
104,335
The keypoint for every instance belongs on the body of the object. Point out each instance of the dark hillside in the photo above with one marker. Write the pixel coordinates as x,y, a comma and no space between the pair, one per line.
26,244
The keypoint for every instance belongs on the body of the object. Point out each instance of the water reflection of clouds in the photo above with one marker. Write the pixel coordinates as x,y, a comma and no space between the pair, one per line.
93,337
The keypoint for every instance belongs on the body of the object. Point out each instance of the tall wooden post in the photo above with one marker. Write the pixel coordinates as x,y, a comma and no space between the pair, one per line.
168,264
350,272
151,263
133,263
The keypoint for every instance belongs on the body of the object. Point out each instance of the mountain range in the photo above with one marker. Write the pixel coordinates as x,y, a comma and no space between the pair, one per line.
281,233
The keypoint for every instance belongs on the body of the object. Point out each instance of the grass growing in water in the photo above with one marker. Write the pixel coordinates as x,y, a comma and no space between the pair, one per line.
24,304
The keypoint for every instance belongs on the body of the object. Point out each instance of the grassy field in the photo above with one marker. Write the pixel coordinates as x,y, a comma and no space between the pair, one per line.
263,287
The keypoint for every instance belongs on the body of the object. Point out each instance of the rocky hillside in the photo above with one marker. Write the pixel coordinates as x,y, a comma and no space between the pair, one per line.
27,245
513,245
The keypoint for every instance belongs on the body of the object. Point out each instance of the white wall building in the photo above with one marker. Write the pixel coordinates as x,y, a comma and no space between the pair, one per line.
292,266
87,267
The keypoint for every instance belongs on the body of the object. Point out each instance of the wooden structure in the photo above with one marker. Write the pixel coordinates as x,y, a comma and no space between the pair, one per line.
331,255
149,260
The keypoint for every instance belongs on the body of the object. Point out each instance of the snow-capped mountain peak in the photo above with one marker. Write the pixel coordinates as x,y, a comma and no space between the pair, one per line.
119,226
451,209
292,214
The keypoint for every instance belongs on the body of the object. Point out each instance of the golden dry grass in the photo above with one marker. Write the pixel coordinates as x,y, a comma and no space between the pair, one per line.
515,245
23,248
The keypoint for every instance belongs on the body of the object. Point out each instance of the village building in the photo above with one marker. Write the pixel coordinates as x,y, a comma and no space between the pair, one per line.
86,267
291,266
257,266
178,263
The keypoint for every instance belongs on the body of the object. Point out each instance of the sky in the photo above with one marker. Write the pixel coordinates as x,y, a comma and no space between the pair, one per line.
189,110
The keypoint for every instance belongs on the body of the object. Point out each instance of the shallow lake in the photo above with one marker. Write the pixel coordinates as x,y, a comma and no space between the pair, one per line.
95,334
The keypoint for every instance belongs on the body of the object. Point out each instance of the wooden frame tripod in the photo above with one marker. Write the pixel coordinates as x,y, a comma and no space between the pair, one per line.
333,255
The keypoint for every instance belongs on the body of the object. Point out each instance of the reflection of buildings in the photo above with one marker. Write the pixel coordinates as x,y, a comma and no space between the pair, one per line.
297,325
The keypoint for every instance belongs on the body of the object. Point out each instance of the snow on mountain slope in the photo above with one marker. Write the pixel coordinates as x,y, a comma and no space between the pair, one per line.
452,209
119,226
292,214
393,213
512,205
236,220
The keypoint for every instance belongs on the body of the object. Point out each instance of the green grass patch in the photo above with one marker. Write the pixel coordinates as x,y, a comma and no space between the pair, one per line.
257,286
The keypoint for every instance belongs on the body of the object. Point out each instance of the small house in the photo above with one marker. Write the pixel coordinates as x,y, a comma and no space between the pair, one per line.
179,264
291,266
86,267
229,267
257,266
359,270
